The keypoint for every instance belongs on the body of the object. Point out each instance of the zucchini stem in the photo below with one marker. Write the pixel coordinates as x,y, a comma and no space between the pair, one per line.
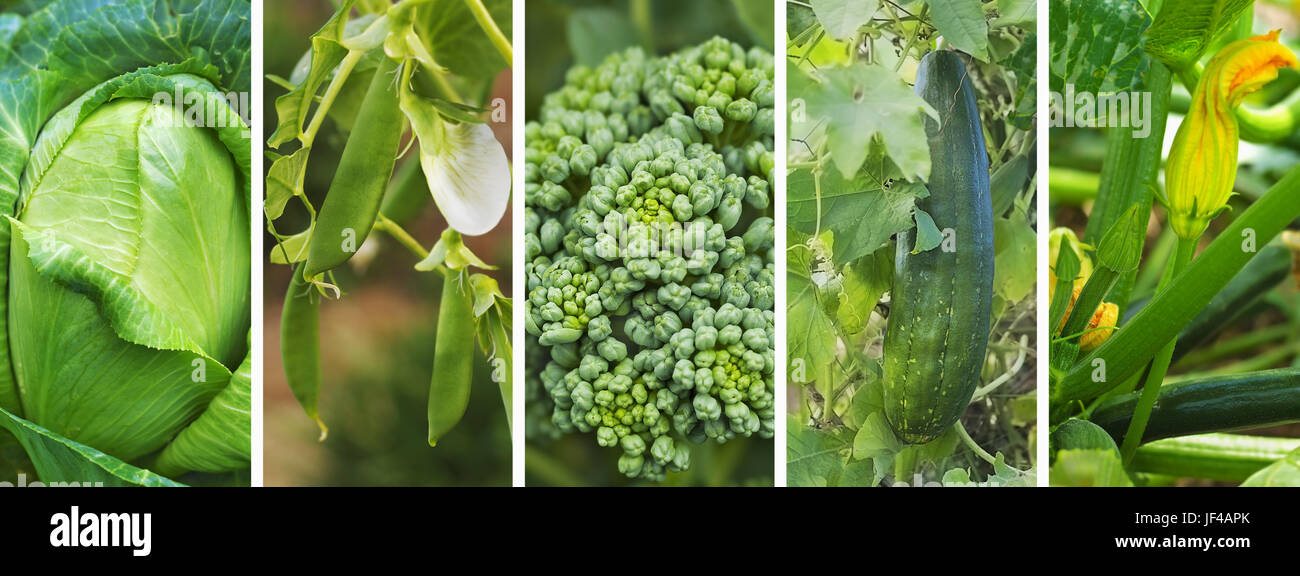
1160,364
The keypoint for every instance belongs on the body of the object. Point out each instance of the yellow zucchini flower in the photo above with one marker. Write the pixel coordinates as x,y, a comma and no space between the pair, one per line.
1202,162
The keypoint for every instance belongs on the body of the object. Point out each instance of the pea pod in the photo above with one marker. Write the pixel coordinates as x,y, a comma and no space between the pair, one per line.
453,357
300,345
364,169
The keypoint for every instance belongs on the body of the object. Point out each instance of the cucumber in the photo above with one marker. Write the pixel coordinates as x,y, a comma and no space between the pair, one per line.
1222,457
942,298
1215,404
1264,272
1076,434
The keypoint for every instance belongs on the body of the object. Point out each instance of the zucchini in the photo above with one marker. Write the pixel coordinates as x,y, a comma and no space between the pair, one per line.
1215,404
1264,272
942,298
1222,457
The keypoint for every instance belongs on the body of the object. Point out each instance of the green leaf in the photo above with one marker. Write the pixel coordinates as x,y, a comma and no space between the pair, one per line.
1023,13
1096,45
1284,472
928,236
456,40
597,32
1180,36
862,213
842,18
1088,468
811,333
60,460
875,438
1015,263
1024,64
962,24
326,53
817,458
865,281
799,18
221,439
859,102
293,249
284,181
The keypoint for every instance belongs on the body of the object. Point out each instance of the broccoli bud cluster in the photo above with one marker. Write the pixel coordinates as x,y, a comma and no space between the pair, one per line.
649,249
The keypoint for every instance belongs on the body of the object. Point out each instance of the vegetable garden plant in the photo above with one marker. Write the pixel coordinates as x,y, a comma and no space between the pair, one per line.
1172,320
649,253
393,79
124,254
911,243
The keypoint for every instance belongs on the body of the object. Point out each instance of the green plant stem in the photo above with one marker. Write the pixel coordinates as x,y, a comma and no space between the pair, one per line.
386,225
490,28
336,84
916,31
1160,365
643,18
1071,186
970,443
1159,322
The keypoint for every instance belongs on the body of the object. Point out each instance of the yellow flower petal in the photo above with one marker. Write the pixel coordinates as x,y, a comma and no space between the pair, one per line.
1202,163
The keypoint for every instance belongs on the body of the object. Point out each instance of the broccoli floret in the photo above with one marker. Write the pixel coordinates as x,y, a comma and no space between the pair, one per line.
649,247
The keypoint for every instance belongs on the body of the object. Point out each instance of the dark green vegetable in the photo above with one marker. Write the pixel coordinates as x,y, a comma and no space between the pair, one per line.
300,345
1268,269
1215,404
453,357
364,169
1223,457
942,298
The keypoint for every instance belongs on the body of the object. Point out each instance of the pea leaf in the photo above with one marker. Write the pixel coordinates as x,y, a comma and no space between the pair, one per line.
843,18
962,24
1179,37
326,53
857,102
456,40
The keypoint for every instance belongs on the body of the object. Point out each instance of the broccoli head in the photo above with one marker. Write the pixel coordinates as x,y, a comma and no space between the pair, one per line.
649,249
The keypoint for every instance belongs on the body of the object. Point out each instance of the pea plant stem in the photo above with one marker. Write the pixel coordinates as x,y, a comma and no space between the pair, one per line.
490,28
1160,364
332,91
386,225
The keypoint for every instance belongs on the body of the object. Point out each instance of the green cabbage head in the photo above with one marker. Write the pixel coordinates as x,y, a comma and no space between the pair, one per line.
124,176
